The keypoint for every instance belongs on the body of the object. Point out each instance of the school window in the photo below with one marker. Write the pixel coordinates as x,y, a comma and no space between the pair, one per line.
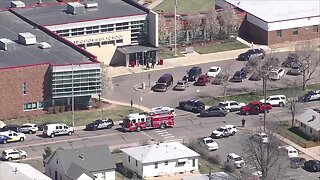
166,163
156,165
315,28
24,88
279,33
119,41
40,105
295,31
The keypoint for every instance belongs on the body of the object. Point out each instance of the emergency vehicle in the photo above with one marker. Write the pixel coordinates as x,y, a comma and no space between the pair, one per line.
153,119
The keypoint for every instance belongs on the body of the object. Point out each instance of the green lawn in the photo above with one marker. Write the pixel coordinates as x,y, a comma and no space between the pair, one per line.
219,47
294,133
185,6
169,54
204,169
116,113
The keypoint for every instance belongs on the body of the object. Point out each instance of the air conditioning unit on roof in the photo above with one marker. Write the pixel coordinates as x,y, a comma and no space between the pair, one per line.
44,45
7,44
27,38
75,8
17,4
90,4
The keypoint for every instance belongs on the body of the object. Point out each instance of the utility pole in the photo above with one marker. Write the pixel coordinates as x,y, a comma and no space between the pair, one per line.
175,27
210,178
264,82
72,95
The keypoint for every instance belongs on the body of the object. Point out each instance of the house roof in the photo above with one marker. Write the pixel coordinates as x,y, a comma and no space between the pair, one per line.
272,10
160,152
90,159
311,118
75,171
14,171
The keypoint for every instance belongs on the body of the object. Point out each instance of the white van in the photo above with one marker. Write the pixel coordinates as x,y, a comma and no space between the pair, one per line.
50,130
291,151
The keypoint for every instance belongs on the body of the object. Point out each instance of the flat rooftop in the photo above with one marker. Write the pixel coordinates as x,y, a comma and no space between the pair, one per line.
54,15
58,54
4,4
279,10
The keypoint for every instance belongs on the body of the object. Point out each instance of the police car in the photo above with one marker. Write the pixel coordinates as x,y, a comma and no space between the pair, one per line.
51,130
11,136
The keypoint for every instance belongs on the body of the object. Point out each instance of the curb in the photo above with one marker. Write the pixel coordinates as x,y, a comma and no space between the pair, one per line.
135,87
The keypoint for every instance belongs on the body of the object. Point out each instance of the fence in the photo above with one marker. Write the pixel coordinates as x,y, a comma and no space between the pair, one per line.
304,144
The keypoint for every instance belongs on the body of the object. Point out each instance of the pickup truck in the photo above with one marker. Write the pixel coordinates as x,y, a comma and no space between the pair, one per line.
208,143
254,107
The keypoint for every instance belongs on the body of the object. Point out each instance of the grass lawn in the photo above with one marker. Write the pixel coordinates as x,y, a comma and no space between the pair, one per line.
246,98
203,169
219,47
167,54
185,6
294,133
115,112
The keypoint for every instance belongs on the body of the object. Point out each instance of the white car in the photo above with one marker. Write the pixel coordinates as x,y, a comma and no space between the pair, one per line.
181,85
224,131
162,108
208,143
261,137
236,160
276,100
11,136
232,105
276,73
11,154
290,151
214,71
29,128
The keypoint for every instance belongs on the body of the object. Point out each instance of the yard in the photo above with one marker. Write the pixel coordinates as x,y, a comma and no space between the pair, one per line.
185,6
83,117
204,169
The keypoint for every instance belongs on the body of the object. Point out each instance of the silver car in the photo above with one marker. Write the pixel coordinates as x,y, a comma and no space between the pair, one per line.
181,85
29,128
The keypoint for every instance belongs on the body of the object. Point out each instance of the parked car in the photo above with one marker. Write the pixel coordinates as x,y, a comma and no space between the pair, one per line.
276,100
295,69
208,143
289,151
29,128
252,53
311,96
232,105
224,131
260,137
10,154
312,166
297,162
51,130
239,76
162,109
203,80
214,71
214,111
163,83
192,105
256,76
290,60
236,160
276,74
255,107
194,73
11,127
181,85
105,123
232,128
11,136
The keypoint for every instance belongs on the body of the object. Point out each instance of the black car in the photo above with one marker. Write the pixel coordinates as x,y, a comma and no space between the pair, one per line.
214,111
163,83
239,76
290,60
297,162
15,128
312,166
192,105
100,124
252,53
194,73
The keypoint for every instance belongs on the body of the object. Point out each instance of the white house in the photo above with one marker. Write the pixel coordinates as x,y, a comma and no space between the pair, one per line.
14,171
160,159
85,163
309,123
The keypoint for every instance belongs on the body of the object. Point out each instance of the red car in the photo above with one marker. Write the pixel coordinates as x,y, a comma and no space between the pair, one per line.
203,80
255,107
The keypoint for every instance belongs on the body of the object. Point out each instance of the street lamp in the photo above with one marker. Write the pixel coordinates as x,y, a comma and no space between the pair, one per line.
72,95
175,27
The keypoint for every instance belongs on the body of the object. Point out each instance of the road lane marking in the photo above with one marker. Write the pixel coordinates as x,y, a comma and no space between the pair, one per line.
168,137
146,135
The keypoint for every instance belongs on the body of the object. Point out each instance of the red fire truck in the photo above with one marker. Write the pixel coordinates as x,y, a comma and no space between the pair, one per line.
155,119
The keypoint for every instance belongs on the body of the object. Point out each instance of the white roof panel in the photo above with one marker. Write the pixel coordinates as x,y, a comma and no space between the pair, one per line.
14,171
275,10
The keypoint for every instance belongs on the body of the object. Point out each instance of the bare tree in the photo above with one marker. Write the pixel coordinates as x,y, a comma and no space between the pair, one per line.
266,158
308,59
228,21
163,29
106,82
179,31
212,26
193,25
292,99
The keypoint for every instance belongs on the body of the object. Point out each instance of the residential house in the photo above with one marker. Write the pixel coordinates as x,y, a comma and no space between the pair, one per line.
84,163
309,123
160,159
15,171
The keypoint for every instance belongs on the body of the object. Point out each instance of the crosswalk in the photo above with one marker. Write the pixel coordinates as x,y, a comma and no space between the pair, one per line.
164,133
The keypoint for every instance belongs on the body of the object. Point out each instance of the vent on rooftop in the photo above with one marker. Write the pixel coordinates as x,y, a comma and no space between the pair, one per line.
90,4
7,44
27,38
75,8
44,45
17,4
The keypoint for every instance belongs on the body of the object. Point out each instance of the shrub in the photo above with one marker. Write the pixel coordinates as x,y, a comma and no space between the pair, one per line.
229,167
51,110
56,109
116,150
61,109
216,159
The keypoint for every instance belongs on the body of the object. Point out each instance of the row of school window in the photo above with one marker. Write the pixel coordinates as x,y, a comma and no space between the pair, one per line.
32,106
295,31
114,42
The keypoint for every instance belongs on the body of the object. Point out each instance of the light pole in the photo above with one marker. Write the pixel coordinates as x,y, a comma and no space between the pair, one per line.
72,95
264,82
175,27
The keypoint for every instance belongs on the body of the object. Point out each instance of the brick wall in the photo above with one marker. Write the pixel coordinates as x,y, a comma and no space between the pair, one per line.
38,83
